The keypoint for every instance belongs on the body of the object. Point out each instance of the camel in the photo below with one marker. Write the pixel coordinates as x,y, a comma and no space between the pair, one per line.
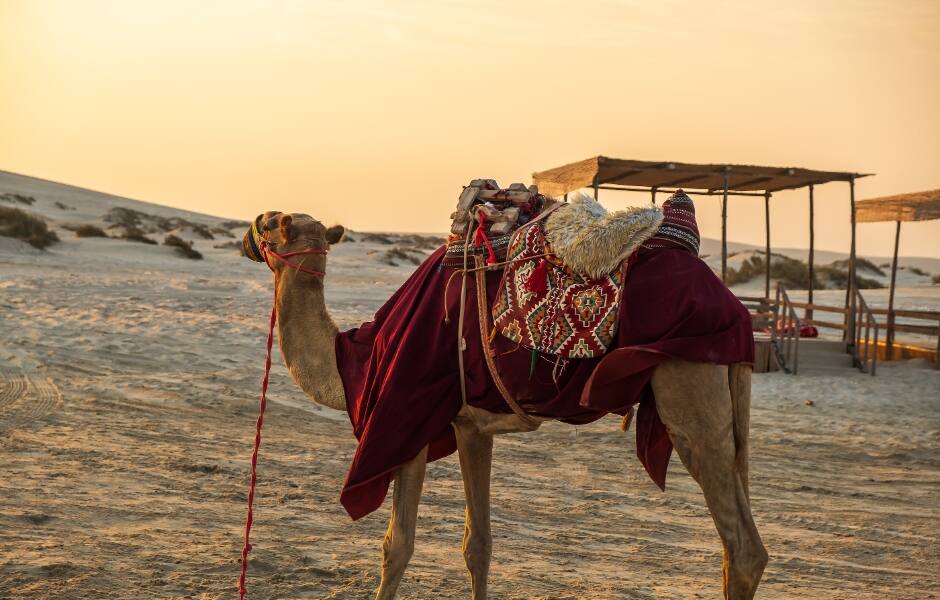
705,408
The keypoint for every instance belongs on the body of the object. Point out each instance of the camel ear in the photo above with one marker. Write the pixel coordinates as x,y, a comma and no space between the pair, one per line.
286,228
334,234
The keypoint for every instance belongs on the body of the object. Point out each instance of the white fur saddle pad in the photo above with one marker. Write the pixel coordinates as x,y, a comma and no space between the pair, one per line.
593,242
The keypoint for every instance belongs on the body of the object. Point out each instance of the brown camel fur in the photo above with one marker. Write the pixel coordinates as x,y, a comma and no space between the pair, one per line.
705,408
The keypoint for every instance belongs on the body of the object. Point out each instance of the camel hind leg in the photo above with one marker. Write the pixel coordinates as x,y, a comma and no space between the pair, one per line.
694,401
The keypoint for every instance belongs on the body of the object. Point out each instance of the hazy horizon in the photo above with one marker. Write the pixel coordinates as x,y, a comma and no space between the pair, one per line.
374,116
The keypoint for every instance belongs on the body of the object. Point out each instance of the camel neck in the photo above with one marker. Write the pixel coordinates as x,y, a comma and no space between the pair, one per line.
307,337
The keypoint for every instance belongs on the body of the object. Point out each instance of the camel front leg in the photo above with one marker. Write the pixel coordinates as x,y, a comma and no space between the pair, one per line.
476,458
400,538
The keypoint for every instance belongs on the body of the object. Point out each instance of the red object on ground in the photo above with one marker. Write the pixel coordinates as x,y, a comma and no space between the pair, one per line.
401,377
806,331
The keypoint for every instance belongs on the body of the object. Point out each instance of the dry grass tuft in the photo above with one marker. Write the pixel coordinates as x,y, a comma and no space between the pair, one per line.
132,234
183,247
84,231
23,226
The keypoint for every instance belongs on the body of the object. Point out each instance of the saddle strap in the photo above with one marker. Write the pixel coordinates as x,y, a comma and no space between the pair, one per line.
487,350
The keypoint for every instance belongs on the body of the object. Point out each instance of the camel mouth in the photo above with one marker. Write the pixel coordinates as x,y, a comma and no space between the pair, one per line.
251,243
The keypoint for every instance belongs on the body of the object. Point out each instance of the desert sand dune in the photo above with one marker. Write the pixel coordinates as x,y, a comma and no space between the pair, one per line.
128,392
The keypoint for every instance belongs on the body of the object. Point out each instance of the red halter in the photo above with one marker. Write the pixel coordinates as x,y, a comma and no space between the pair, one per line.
266,249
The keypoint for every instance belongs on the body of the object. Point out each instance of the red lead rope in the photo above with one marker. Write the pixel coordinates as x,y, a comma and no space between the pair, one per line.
254,455
264,398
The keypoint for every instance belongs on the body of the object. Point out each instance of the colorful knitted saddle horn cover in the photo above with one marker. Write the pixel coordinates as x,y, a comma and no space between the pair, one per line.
544,306
678,229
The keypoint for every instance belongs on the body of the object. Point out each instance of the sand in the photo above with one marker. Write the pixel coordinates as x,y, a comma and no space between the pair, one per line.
127,406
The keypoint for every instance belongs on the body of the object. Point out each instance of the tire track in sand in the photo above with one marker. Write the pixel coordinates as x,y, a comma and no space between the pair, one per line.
25,400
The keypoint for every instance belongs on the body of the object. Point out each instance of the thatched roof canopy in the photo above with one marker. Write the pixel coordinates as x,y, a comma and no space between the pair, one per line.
916,206
601,170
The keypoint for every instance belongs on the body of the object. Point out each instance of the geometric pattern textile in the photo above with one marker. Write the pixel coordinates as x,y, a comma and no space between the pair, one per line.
543,306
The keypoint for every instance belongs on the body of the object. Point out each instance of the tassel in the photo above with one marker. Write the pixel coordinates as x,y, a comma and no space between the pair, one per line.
537,283
535,356
480,238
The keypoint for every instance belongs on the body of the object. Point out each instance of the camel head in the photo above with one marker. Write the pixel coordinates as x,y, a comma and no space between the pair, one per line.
287,233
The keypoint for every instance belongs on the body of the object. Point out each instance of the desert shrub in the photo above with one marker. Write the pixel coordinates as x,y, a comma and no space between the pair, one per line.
234,225
231,245
917,271
865,283
23,226
11,197
792,273
397,254
84,231
860,264
183,247
423,242
222,231
376,237
132,234
62,206
201,230
936,279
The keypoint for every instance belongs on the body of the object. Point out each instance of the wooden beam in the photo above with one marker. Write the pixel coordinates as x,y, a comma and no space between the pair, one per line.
653,194
637,188
849,294
767,247
749,182
686,179
812,235
724,233
889,339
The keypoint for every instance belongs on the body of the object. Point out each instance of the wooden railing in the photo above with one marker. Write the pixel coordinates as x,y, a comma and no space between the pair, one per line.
769,312
864,356
893,326
785,332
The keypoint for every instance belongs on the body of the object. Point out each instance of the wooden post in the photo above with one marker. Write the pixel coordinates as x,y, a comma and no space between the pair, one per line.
767,248
850,302
595,190
889,339
653,194
724,232
566,197
812,275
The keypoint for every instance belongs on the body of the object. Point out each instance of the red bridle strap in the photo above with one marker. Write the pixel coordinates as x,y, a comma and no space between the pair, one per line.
266,249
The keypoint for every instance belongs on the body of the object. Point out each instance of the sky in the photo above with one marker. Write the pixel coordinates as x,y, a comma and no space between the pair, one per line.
373,113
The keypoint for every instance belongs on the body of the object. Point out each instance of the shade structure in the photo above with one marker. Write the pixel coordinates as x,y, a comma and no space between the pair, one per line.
718,179
603,170
916,206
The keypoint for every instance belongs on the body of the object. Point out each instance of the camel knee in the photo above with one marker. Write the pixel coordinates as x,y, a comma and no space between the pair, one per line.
397,550
743,568
477,549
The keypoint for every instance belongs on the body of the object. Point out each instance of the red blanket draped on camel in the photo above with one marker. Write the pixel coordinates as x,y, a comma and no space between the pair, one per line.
401,377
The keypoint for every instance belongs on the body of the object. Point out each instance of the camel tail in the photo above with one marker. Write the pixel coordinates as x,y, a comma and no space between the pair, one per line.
739,381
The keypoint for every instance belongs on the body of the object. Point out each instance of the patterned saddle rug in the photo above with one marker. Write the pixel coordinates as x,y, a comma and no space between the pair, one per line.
543,306
569,306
